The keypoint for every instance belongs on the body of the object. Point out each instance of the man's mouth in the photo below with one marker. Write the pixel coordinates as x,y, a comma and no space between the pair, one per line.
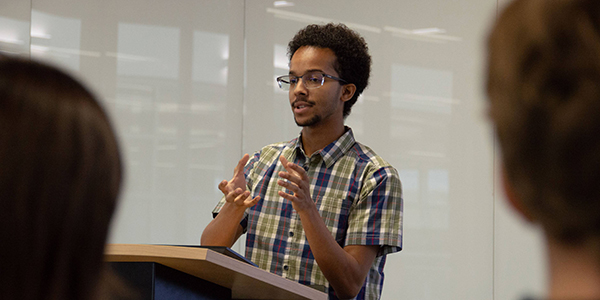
301,104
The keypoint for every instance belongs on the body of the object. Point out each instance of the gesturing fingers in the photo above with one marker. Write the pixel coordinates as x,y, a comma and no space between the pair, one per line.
296,180
240,166
238,180
287,196
288,185
235,194
251,202
297,183
223,187
245,200
293,183
299,174
241,198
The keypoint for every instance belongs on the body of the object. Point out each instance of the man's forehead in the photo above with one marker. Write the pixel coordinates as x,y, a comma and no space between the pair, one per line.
309,58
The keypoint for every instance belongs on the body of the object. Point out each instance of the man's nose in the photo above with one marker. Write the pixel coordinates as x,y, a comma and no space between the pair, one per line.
299,88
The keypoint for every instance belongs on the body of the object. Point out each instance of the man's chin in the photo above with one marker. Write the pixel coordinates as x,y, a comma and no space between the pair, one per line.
307,123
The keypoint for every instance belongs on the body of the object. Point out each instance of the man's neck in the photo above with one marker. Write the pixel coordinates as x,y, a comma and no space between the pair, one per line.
316,138
574,271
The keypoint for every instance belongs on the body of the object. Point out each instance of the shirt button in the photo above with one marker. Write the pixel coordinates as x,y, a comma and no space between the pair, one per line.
286,267
291,233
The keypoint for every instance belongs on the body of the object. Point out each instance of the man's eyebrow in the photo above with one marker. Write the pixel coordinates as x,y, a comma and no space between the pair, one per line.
307,71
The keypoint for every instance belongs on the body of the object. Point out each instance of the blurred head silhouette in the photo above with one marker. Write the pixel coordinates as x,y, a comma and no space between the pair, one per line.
60,174
544,89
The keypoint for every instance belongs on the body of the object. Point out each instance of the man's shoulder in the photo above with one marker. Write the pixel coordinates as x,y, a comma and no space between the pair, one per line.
279,145
272,151
368,156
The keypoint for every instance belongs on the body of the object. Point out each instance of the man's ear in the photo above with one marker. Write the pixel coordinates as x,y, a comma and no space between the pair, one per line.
514,201
348,91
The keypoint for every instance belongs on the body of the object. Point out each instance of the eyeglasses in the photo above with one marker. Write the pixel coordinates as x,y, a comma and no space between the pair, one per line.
312,80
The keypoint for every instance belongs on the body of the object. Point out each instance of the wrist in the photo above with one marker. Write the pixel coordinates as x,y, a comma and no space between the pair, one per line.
309,211
233,210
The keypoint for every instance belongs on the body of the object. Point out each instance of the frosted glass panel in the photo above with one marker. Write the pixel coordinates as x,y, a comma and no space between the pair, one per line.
15,22
14,36
58,39
421,89
145,50
211,53
162,73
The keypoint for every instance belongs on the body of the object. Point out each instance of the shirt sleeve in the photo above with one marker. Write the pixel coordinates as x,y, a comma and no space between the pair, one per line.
376,217
247,170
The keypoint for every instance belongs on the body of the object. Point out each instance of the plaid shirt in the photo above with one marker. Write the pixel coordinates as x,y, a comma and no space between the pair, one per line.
357,193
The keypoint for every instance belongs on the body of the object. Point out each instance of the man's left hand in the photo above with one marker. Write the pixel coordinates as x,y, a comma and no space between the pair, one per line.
297,182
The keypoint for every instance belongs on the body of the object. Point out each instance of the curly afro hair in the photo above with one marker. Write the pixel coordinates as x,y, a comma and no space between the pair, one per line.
353,60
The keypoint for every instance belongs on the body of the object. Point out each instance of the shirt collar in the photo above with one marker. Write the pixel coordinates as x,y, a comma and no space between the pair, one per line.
332,152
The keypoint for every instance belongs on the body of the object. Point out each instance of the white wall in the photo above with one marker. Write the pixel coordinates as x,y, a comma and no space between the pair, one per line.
190,87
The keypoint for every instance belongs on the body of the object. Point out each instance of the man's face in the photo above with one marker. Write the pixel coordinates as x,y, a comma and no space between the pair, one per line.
319,106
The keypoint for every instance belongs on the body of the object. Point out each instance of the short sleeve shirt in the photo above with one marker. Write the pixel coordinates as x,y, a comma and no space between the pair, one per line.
357,193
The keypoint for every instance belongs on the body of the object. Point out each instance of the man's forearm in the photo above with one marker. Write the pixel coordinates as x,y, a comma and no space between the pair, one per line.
225,228
345,268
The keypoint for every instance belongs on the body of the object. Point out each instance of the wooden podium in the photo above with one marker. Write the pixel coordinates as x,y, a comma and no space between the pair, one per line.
207,271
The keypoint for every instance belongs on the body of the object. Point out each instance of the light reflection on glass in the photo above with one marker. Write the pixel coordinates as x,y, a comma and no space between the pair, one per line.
13,34
211,55
421,89
57,39
148,51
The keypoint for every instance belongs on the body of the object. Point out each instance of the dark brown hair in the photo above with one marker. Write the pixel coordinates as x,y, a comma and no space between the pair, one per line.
353,61
544,89
60,174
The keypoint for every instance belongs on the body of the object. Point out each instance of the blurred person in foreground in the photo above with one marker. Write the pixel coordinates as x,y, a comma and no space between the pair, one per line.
322,209
544,90
60,174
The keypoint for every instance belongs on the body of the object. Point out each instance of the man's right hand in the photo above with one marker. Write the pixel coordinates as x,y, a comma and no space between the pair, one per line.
235,189
225,228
